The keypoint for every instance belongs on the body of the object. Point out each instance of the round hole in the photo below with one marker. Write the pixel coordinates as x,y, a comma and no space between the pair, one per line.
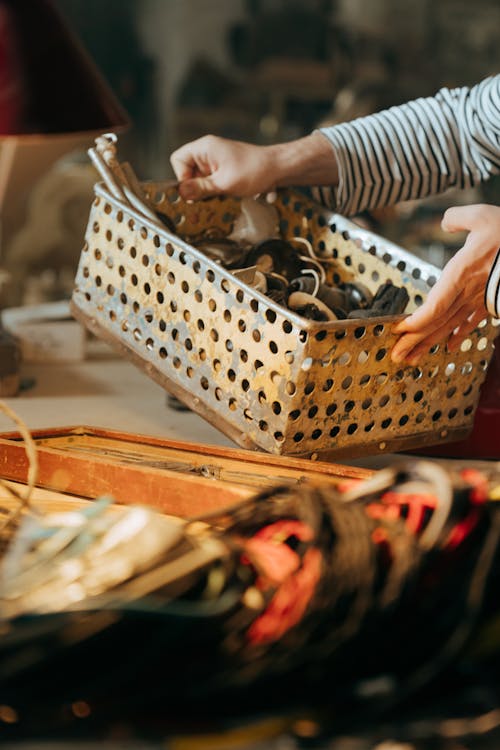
344,359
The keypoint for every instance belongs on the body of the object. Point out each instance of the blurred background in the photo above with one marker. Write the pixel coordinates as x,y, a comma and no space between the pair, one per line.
257,70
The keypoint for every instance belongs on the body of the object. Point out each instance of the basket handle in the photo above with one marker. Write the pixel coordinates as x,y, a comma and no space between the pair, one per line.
120,178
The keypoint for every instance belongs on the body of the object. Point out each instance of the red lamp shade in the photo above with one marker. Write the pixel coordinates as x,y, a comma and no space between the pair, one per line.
48,83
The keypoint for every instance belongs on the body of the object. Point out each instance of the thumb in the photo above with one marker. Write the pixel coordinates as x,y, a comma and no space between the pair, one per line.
198,187
456,219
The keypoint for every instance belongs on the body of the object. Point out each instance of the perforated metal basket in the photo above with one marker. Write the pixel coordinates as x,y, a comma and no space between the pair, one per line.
265,376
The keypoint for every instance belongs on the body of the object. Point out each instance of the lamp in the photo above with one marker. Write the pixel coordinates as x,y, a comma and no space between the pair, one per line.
52,99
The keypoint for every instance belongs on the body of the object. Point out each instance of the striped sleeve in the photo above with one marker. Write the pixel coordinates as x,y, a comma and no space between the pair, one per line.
417,149
492,291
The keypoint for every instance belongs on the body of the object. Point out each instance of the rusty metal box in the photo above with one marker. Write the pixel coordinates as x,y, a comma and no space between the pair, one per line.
265,376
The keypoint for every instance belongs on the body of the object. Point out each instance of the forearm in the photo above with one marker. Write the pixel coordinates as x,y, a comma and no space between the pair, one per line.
307,161
418,149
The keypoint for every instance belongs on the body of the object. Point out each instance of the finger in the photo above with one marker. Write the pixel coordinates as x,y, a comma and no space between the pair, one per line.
462,332
404,346
447,294
199,187
410,349
426,323
441,299
457,219
184,164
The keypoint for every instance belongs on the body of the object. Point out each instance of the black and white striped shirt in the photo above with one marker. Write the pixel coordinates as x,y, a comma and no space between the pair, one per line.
417,149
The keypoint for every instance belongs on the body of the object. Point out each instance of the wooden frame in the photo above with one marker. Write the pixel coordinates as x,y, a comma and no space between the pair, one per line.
179,478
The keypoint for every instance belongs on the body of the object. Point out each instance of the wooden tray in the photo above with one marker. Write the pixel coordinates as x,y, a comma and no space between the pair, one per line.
183,479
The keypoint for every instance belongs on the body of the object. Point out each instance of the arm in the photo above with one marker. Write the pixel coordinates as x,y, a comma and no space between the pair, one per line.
212,165
407,152
417,149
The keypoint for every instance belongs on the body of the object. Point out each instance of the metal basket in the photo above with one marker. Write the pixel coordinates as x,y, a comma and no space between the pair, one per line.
265,376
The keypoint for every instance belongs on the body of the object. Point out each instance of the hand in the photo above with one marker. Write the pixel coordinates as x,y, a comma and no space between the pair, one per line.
213,165
455,305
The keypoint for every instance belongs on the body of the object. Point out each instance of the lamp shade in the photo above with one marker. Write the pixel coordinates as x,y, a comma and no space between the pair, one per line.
48,82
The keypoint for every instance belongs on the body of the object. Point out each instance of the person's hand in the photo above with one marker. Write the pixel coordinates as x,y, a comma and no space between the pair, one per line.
212,165
455,305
